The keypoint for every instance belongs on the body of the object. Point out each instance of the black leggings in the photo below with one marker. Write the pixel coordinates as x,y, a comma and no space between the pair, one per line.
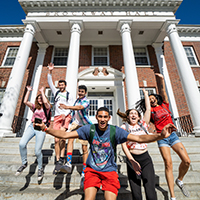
147,176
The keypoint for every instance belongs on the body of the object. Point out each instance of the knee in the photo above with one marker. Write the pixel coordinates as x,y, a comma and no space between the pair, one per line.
38,153
57,140
168,164
187,162
22,145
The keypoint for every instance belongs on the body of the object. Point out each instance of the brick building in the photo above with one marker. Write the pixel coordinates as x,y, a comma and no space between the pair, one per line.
113,47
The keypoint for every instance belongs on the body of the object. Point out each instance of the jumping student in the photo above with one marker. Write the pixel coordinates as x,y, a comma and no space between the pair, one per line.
101,166
62,117
79,118
139,163
161,116
40,110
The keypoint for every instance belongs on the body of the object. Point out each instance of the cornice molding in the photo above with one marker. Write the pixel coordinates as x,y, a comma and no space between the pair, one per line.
106,5
12,31
188,29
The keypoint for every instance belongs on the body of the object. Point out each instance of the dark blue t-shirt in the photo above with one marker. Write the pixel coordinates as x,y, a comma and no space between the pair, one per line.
101,156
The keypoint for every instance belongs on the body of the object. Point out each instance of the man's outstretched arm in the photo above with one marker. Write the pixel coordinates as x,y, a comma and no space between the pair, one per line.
166,131
58,133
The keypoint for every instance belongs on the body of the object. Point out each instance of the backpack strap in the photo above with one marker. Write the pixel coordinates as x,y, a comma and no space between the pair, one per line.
56,95
112,139
92,132
144,129
67,95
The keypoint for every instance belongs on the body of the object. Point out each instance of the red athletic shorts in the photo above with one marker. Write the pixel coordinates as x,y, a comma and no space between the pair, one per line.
59,122
108,180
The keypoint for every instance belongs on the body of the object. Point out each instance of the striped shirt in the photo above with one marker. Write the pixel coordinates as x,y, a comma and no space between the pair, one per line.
81,116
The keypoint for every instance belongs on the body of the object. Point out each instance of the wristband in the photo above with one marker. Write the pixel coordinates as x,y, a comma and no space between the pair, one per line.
45,129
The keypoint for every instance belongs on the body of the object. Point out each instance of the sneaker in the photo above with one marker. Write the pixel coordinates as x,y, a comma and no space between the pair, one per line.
182,187
20,170
58,165
40,174
67,168
82,181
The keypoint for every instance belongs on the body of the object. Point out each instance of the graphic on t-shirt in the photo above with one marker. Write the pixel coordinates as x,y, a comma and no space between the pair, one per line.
101,151
159,114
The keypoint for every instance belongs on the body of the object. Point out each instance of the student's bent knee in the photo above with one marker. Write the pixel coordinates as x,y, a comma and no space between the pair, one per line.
57,140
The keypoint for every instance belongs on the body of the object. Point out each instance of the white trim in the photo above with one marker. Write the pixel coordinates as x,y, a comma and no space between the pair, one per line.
194,55
6,55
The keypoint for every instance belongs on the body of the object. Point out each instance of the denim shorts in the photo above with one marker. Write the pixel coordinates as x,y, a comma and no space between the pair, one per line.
170,141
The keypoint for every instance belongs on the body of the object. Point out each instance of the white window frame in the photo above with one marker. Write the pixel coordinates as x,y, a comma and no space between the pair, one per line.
6,56
194,55
52,103
147,56
147,89
108,60
54,56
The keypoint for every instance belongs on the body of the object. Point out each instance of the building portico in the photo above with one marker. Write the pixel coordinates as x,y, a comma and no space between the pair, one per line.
103,29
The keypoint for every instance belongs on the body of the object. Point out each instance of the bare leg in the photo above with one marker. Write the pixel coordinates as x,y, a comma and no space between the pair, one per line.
70,145
85,153
166,155
110,195
185,164
57,148
90,193
62,148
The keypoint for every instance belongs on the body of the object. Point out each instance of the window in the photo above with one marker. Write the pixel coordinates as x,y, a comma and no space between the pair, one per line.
140,56
191,55
2,92
150,91
100,56
60,56
50,97
10,56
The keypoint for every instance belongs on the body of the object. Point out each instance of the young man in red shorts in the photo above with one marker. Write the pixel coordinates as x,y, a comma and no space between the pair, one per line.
62,117
101,166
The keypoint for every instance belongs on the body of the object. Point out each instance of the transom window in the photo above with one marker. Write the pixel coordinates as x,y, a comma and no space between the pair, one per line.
100,56
191,55
60,56
11,54
50,97
140,56
2,92
150,91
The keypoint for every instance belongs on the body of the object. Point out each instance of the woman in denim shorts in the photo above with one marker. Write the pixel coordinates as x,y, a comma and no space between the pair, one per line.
161,116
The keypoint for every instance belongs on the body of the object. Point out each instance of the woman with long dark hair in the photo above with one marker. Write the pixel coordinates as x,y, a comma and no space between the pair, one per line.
139,163
161,116
41,106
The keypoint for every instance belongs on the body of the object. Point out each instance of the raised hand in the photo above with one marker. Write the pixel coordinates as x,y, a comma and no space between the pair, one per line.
159,75
41,89
51,66
29,88
167,130
144,91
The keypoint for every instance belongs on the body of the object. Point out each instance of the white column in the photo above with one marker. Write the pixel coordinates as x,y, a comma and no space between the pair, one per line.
163,69
73,60
187,77
36,79
15,82
132,85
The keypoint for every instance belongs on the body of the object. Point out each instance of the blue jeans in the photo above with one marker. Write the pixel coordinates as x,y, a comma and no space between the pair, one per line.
170,141
39,140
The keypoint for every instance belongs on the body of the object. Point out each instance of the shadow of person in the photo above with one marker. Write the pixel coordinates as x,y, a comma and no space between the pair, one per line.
164,192
28,176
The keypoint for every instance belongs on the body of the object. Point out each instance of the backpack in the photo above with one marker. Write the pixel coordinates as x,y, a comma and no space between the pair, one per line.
67,95
48,117
140,124
112,137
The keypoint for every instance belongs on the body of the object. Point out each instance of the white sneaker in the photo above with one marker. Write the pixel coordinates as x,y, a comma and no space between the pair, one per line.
82,181
67,168
182,187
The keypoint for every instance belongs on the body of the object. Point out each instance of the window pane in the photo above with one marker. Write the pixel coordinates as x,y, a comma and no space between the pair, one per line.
60,56
12,53
93,107
190,55
140,56
150,91
2,92
108,104
100,61
50,97
100,56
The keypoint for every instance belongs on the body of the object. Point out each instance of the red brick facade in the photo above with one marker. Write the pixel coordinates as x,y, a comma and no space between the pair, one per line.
116,61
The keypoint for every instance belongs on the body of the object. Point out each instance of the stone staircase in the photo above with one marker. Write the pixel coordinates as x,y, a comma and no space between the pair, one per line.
66,186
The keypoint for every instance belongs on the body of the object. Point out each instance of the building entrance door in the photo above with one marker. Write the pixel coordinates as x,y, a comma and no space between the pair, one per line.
103,100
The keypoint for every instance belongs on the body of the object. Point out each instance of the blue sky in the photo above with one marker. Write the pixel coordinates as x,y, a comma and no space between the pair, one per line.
11,12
